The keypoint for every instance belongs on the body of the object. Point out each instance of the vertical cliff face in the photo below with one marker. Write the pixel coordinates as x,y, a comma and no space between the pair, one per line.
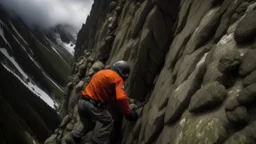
194,60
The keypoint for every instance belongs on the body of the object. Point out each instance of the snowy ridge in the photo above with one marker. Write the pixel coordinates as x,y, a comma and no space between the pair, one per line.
68,46
34,88
35,62
13,27
4,51
2,33
54,49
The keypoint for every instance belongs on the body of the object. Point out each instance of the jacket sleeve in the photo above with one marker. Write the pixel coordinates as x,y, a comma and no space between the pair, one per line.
122,98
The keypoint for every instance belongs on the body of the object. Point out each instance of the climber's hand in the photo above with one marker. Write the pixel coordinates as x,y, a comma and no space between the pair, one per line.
133,116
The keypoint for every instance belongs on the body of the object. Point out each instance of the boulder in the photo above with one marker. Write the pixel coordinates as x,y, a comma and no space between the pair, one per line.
91,59
98,66
209,96
250,79
65,121
245,136
67,139
248,64
69,127
51,139
113,24
232,104
108,66
91,72
79,86
227,80
87,54
247,95
238,116
75,79
112,6
203,131
229,62
246,29
82,69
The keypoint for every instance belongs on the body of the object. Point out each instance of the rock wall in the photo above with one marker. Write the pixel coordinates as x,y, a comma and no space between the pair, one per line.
194,60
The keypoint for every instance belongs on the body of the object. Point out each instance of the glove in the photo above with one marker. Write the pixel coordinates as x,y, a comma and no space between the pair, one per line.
133,116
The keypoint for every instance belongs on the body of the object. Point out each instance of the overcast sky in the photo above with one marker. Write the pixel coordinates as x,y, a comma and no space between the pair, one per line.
47,13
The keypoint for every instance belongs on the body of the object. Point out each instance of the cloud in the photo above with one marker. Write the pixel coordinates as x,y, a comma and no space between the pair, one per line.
48,13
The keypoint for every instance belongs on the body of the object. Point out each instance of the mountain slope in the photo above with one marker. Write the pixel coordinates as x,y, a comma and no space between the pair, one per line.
34,70
193,60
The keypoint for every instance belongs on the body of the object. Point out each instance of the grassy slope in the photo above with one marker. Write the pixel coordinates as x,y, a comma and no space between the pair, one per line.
53,62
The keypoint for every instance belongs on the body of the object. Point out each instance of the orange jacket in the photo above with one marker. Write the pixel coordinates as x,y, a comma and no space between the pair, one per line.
107,85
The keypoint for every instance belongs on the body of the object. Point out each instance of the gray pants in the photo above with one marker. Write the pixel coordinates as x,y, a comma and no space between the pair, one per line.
89,114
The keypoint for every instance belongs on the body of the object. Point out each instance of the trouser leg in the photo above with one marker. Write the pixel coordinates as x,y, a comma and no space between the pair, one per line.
105,118
86,124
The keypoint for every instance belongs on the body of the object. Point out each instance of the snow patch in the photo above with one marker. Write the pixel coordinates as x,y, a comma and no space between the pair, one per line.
13,27
202,60
22,72
182,122
56,52
4,51
225,39
2,34
34,88
68,46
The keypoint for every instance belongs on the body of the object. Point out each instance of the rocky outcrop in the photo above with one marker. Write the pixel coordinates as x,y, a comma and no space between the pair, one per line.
207,97
192,60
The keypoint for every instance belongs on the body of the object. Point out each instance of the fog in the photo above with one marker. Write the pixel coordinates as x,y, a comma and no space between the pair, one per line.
48,13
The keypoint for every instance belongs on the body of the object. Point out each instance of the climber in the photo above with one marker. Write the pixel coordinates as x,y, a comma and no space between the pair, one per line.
105,85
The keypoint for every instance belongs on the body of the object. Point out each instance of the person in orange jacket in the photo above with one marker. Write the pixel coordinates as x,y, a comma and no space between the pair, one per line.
105,85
